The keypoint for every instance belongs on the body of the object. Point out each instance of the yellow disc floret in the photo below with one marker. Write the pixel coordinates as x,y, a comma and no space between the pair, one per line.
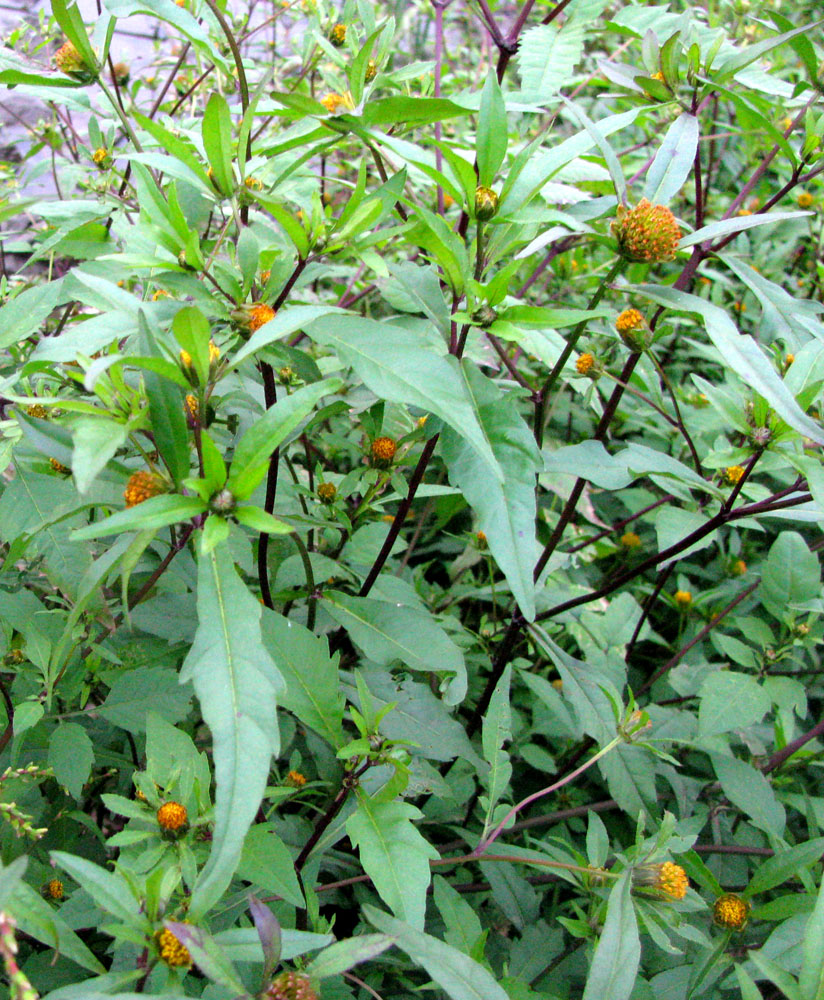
53,889
142,485
172,952
731,912
630,540
733,474
647,232
585,363
804,200
337,36
172,816
383,451
294,779
683,598
668,878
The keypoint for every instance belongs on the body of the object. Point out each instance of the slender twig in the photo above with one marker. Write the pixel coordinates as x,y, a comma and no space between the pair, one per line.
660,583
778,758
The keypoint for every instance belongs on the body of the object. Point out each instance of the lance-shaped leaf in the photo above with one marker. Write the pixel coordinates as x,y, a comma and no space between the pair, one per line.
401,368
208,956
236,682
342,955
497,730
393,854
156,512
615,964
506,511
251,458
457,974
741,353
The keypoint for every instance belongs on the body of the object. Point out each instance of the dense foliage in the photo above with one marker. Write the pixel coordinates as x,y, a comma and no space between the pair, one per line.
412,502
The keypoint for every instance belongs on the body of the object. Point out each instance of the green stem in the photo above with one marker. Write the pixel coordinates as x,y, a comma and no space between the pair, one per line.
120,113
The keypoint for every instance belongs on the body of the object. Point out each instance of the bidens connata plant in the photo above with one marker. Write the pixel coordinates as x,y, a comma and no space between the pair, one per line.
410,519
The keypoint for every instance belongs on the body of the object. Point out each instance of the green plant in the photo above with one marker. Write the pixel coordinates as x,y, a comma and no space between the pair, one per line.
410,531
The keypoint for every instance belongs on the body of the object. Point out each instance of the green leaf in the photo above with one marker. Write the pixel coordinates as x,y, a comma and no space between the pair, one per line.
491,139
393,854
673,161
342,955
251,458
72,756
740,353
457,974
547,55
145,689
784,866
791,574
463,928
208,956
748,789
168,424
615,963
236,682
110,891
35,917
96,440
777,975
267,863
217,141
811,977
506,511
730,700
156,512
497,729
10,875
388,631
724,227
397,369
311,674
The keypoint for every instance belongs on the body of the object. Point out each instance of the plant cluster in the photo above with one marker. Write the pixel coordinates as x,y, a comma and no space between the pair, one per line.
412,502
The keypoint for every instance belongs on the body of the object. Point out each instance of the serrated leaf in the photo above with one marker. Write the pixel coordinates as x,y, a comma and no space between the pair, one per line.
387,631
208,956
506,511
394,855
342,955
400,370
457,974
615,963
236,682
110,891
547,55
740,353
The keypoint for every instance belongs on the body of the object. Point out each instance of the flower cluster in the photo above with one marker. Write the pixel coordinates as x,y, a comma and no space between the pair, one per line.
291,986
383,451
731,912
668,878
173,819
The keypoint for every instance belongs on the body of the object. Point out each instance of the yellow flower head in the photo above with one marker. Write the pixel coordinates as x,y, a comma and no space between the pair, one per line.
160,294
668,878
121,73
585,365
731,912
59,467
486,203
481,539
38,410
332,102
294,779
254,184
733,474
789,359
260,314
337,36
371,71
172,818
69,61
172,952
630,540
647,233
683,598
265,276
142,485
558,684
738,568
99,156
327,492
633,330
291,986
53,889
382,452
804,200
